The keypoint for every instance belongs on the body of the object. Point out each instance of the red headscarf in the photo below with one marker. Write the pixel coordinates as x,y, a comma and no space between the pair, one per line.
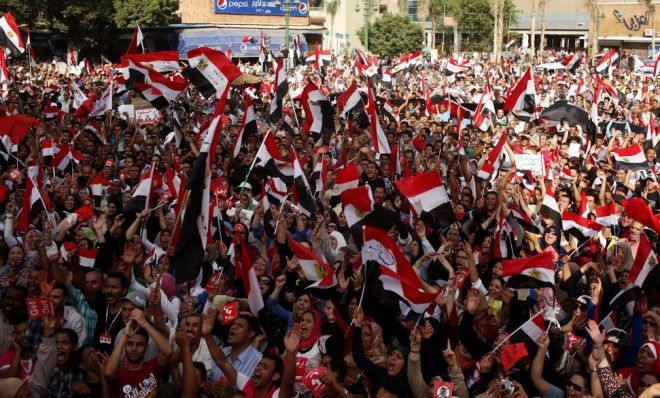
309,342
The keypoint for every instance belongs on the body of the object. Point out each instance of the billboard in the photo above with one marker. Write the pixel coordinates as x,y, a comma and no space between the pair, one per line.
260,7
221,39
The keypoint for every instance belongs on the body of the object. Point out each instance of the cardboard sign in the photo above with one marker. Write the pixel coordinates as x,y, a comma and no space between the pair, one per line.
147,116
574,150
312,380
229,312
39,307
126,109
530,162
442,389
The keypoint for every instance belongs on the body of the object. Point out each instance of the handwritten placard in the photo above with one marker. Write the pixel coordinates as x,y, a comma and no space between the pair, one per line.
530,162
147,116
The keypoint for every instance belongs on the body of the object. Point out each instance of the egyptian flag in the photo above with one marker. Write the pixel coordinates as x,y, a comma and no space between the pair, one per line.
160,61
210,71
315,269
347,177
318,58
645,261
98,185
193,236
522,96
320,174
150,184
607,215
388,112
248,126
28,44
638,210
47,150
13,129
319,112
281,90
161,91
136,41
427,193
262,48
534,327
103,103
571,61
480,117
457,65
550,209
33,205
492,163
270,158
358,203
378,139
607,61
509,43
630,158
275,192
397,275
523,219
349,101
501,239
530,272
4,70
243,262
302,196
10,35
580,227
66,157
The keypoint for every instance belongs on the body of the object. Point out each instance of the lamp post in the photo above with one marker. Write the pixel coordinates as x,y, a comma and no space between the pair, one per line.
287,16
367,13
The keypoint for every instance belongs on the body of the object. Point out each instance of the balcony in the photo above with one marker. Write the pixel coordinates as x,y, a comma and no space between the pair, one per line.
317,15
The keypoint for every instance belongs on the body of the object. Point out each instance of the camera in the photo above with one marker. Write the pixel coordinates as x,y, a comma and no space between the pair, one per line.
442,392
507,387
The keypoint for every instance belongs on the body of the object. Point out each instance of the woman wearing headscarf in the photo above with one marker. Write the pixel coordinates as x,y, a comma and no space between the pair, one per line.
313,345
392,378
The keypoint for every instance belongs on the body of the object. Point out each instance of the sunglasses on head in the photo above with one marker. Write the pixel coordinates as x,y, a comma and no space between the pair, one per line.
574,386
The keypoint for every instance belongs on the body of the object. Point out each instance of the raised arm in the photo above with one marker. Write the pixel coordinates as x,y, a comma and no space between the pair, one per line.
537,366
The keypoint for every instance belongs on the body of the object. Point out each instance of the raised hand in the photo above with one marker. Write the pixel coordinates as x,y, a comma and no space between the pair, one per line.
359,317
594,333
291,341
208,322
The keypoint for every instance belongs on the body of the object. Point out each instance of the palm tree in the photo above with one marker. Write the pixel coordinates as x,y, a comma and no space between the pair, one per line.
532,29
403,7
542,17
422,12
494,10
332,6
650,8
435,8
592,5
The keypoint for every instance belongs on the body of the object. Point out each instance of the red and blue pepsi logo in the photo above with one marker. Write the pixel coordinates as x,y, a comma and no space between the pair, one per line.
221,4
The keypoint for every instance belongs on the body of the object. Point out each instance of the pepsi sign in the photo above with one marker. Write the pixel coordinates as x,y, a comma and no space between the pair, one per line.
260,7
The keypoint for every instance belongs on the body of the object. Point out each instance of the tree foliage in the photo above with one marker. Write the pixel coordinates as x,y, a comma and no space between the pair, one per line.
392,34
147,12
476,23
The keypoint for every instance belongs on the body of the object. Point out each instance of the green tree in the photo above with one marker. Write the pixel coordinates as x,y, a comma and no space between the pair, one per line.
477,24
332,6
147,12
392,34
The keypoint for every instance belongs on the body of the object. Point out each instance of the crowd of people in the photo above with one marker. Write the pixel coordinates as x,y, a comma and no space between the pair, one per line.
95,304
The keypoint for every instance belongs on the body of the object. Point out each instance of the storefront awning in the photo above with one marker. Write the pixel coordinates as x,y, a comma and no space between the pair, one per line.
244,43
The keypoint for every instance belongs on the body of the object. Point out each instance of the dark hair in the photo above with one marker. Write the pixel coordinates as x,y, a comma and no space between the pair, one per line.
122,279
252,322
73,336
62,287
279,364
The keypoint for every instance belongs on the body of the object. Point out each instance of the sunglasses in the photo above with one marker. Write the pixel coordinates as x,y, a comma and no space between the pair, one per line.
574,386
650,323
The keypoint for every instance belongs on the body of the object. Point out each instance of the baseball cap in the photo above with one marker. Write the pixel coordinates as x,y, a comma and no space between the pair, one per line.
617,336
137,298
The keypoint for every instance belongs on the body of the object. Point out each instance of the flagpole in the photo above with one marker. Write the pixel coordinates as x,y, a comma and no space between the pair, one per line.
254,161
514,332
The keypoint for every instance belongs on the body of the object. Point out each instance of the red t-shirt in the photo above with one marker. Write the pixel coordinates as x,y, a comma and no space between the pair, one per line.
25,368
137,383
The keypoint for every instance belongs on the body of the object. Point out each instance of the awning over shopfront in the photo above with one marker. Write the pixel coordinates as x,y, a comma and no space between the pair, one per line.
243,43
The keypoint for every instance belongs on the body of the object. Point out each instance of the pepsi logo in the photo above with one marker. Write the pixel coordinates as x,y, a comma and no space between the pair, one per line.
302,8
222,4
243,47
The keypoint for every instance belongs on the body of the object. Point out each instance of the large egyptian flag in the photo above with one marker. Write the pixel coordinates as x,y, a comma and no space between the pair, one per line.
457,65
607,215
630,158
580,227
347,177
302,195
530,272
607,61
522,96
270,158
161,91
319,112
210,71
33,205
281,90
314,268
349,100
397,275
193,236
358,203
378,138
427,193
10,35
248,126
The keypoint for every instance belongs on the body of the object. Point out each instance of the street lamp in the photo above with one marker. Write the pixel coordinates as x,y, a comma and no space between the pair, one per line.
368,9
287,15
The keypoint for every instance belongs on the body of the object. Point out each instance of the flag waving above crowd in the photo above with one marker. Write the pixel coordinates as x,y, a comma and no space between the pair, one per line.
196,222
